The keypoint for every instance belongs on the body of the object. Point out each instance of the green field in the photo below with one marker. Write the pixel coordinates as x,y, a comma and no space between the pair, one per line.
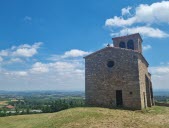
3,103
156,117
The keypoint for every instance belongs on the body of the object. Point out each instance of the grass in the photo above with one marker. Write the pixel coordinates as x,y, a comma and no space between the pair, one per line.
156,110
156,117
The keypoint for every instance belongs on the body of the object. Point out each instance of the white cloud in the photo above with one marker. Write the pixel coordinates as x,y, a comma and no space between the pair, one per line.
154,13
62,66
3,53
54,58
145,15
126,11
75,53
39,67
15,60
15,73
59,67
72,54
145,31
161,70
45,76
1,59
21,73
160,75
26,50
147,47
65,72
119,21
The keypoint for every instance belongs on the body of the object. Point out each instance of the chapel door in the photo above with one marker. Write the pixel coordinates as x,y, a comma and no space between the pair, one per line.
119,98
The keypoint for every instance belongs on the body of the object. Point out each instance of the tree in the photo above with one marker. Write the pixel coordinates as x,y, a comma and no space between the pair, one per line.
27,110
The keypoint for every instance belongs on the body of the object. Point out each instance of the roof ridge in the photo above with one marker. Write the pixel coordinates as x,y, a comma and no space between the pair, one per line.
128,36
111,47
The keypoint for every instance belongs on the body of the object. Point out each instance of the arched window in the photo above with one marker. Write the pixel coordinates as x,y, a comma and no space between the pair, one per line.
130,44
122,45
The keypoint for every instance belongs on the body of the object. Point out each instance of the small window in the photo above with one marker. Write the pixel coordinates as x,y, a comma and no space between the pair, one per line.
110,63
131,93
122,45
130,44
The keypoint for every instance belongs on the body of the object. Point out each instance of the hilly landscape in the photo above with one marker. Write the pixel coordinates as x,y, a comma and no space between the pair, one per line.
87,117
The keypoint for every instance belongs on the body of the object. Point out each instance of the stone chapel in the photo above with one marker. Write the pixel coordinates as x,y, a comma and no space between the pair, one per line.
118,76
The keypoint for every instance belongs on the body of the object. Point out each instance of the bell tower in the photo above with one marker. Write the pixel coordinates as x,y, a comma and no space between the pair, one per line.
133,42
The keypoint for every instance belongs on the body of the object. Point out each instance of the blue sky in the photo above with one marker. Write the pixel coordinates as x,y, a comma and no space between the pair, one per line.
42,42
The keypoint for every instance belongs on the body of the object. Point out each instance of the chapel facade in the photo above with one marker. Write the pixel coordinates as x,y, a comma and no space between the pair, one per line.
118,76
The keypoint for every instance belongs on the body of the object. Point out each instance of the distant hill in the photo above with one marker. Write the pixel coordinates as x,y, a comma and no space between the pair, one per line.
156,117
80,93
161,92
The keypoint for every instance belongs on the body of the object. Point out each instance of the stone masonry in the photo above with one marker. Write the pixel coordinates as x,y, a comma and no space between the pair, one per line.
118,76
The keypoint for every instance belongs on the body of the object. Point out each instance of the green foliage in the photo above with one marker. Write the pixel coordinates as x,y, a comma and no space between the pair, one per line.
62,104
47,106
162,99
37,102
27,110
155,110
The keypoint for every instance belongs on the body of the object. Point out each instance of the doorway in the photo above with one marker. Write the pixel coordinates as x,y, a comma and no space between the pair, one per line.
144,94
119,98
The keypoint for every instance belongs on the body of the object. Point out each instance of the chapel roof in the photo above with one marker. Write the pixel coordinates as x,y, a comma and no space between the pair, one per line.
117,48
128,36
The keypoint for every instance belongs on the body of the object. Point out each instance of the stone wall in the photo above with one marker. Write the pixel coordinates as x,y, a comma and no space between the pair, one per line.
145,83
142,73
102,81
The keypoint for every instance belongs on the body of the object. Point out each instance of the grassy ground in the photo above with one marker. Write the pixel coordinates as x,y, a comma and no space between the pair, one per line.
156,117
